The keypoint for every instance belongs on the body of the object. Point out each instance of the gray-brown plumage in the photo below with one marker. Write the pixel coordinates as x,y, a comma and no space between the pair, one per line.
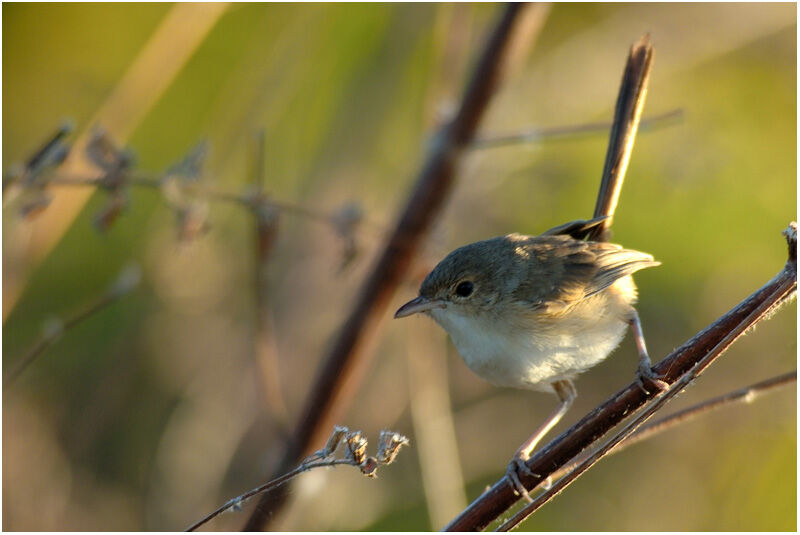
546,273
535,311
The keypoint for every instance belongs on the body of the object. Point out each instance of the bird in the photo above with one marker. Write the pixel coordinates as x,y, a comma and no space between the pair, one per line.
533,312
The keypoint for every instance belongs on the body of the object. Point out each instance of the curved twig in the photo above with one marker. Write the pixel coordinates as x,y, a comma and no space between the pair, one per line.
53,331
355,454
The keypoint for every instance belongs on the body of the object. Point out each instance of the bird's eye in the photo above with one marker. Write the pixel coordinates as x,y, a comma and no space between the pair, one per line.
464,289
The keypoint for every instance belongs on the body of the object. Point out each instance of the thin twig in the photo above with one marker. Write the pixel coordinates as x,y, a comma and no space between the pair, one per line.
680,366
627,115
265,230
244,199
742,395
389,444
541,135
237,502
432,188
146,78
53,330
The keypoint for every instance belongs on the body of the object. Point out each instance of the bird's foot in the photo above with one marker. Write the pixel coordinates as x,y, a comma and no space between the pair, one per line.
649,380
515,468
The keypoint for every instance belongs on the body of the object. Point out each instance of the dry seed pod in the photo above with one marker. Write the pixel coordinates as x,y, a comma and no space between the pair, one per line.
339,431
356,447
389,445
369,467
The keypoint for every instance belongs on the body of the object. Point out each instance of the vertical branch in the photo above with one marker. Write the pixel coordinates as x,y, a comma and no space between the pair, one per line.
265,218
627,115
433,185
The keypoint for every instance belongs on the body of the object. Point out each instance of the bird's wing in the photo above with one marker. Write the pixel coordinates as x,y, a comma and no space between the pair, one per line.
564,271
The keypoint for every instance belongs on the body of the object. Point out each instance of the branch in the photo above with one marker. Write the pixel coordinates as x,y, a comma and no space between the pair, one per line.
265,230
630,102
130,100
678,369
245,199
355,455
181,187
742,395
433,185
54,329
540,135
762,311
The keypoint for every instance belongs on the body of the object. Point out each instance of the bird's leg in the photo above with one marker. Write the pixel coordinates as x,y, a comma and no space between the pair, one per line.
645,375
566,393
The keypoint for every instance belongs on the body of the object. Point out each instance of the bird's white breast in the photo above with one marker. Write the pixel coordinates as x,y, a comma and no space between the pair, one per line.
536,354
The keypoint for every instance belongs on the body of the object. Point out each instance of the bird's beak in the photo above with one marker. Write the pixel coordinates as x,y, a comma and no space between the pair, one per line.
416,305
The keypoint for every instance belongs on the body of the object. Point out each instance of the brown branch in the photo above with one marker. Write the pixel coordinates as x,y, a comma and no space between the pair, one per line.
678,369
541,135
763,310
630,102
742,395
53,331
432,188
265,230
355,455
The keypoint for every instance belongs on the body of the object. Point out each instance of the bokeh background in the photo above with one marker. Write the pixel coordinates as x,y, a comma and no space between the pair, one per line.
159,408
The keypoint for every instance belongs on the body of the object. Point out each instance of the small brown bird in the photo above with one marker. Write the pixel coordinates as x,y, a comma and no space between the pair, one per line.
534,312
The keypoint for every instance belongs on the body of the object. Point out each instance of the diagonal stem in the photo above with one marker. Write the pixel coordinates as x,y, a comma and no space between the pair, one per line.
684,360
341,367
627,115
778,295
741,395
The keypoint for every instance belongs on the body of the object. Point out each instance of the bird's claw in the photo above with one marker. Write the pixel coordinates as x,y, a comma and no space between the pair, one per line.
646,377
515,467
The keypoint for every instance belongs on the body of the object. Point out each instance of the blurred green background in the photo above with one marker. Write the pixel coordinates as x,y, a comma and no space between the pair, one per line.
156,410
